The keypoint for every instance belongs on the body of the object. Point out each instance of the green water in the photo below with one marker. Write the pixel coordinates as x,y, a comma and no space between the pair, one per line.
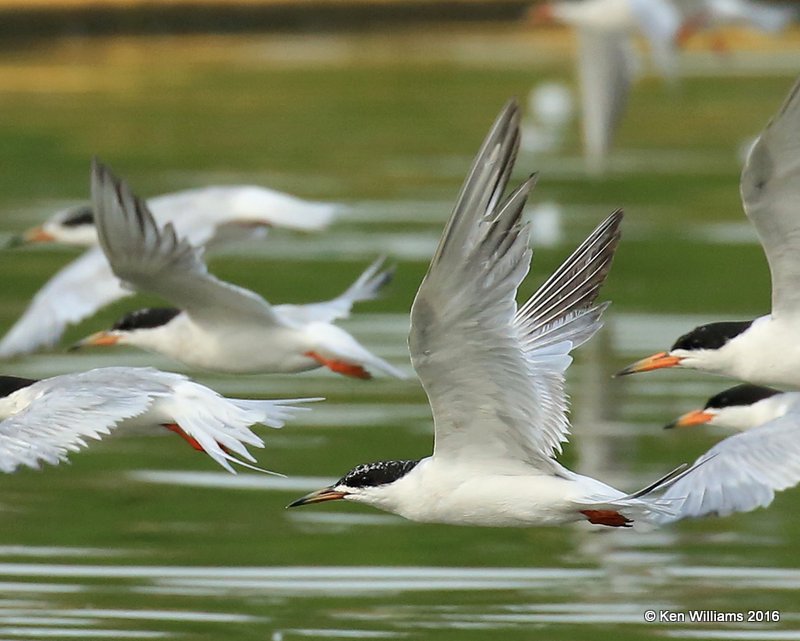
117,546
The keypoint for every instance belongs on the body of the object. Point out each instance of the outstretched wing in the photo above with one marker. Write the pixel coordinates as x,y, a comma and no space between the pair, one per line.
155,260
741,473
494,376
68,410
64,412
74,293
770,188
204,214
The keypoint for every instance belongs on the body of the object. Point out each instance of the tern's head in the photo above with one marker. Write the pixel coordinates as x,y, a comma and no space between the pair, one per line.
135,328
702,348
370,483
740,408
73,226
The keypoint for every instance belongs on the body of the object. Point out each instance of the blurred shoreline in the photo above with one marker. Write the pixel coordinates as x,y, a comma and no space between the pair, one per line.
89,17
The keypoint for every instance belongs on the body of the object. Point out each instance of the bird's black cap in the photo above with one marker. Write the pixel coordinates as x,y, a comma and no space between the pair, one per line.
146,318
711,336
81,215
745,394
375,474
10,384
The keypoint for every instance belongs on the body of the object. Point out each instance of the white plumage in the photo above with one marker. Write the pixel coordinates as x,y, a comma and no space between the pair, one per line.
766,350
607,61
221,326
494,374
212,216
43,421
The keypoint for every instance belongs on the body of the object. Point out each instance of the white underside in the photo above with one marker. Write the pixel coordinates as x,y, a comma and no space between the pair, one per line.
249,348
437,491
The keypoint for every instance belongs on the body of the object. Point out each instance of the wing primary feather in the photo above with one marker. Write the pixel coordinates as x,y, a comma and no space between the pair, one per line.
159,261
486,180
496,391
586,270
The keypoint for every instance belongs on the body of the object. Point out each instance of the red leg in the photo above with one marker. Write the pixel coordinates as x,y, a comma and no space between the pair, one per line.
174,427
606,517
340,367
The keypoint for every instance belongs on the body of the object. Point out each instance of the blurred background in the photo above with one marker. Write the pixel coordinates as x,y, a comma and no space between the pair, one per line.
380,105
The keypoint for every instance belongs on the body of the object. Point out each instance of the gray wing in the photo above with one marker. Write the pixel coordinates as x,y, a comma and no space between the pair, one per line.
494,376
155,260
76,292
201,215
605,72
367,287
770,189
741,473
69,410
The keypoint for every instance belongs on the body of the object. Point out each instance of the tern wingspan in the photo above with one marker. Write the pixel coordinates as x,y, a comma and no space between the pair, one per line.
494,376
202,214
741,473
64,412
74,293
155,260
67,410
770,188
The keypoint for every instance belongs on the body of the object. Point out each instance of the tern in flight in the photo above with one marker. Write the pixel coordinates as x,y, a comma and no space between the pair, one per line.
764,351
209,216
216,325
494,374
41,421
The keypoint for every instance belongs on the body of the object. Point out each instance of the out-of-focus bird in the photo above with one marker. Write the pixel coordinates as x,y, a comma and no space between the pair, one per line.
209,216
742,472
41,421
709,14
494,374
606,58
217,325
765,350
741,408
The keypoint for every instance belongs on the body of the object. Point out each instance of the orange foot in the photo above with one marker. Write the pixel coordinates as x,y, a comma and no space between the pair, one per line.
340,367
606,517
174,427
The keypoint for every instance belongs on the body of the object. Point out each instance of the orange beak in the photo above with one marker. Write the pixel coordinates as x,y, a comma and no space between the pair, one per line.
696,417
656,361
99,339
320,496
38,235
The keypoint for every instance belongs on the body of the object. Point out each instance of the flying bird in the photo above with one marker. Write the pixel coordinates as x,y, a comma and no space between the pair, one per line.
216,325
741,408
744,471
766,350
607,63
208,216
42,421
494,374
